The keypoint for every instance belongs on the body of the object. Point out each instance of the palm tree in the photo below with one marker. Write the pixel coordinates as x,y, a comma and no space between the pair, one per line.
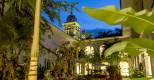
35,45
14,39
16,29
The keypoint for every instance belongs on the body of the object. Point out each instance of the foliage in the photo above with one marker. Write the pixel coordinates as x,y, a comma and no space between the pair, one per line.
127,16
53,8
110,33
16,28
20,72
96,57
15,37
100,33
65,62
144,78
41,72
114,72
82,54
132,46
137,73
114,58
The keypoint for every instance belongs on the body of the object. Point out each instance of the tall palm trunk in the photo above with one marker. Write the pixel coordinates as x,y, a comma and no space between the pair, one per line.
32,75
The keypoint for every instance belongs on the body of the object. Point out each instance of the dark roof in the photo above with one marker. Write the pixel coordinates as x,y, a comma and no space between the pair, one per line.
71,18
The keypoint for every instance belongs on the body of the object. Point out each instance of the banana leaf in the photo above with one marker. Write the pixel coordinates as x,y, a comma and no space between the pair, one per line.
132,46
140,21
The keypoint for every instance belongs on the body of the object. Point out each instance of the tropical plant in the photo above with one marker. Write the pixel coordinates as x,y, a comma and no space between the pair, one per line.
41,72
113,60
136,73
127,17
141,22
114,72
16,29
49,9
65,62
15,36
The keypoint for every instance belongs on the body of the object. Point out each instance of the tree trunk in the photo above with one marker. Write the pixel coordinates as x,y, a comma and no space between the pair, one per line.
2,5
32,75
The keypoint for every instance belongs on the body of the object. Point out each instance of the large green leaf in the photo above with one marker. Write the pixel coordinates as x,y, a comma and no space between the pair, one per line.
111,15
132,47
124,46
144,43
149,16
120,46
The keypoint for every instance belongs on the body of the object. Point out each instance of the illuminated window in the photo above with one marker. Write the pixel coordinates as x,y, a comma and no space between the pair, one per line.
89,50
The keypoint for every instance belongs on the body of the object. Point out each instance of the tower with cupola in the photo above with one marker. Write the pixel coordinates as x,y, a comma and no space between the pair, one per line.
72,27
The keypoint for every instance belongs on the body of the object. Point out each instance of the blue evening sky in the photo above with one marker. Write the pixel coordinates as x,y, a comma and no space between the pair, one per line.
86,22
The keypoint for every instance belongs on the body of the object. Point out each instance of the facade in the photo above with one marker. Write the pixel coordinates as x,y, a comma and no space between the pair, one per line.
143,57
84,67
72,27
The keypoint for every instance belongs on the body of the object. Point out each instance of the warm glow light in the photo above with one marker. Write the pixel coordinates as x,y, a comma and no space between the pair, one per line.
103,67
80,68
102,47
86,67
89,50
77,68
124,68
90,66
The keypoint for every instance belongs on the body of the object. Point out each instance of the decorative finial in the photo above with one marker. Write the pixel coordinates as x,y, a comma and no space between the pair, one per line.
71,9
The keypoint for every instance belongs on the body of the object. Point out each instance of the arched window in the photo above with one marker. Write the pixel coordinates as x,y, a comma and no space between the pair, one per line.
89,50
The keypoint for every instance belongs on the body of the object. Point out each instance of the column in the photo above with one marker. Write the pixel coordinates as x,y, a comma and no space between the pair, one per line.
147,64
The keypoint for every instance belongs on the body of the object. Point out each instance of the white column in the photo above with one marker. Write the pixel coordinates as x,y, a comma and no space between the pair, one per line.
86,67
148,65
78,68
136,60
140,58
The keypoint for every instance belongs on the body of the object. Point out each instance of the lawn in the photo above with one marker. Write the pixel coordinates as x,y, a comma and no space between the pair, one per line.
140,79
136,79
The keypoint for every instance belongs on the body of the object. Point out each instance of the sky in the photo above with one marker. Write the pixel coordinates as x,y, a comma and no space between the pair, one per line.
86,22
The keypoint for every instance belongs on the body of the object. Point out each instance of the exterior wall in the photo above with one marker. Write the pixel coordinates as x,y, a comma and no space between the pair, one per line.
135,5
125,3
152,65
138,4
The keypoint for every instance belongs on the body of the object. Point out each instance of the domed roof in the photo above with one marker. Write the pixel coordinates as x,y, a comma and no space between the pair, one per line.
71,18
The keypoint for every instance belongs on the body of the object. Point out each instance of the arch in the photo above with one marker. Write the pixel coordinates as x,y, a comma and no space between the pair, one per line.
101,48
